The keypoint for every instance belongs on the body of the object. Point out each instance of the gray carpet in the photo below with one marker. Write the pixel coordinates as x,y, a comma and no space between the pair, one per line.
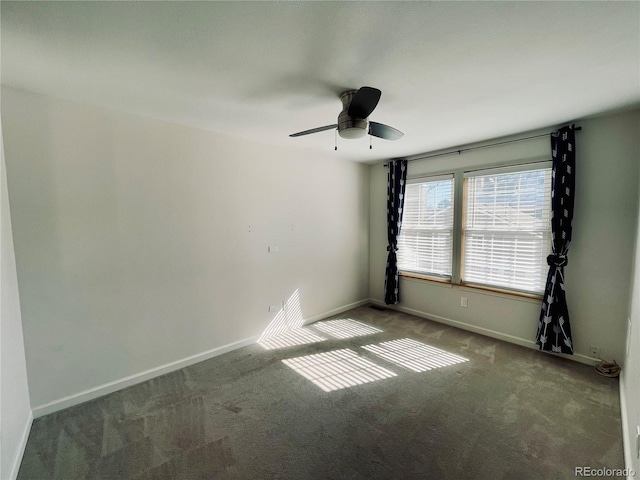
501,412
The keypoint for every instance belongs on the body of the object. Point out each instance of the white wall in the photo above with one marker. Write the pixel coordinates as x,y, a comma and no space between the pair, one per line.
630,376
140,243
15,409
599,268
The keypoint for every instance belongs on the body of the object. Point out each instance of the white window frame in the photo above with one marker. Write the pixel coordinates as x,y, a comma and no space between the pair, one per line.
458,218
546,232
431,179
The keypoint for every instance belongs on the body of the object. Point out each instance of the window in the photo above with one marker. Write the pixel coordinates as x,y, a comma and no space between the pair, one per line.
507,229
426,237
495,231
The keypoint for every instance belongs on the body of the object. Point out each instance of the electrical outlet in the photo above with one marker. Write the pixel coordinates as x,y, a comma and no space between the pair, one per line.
463,302
594,352
274,308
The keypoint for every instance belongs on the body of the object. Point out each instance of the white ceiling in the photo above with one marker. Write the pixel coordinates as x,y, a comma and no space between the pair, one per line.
450,72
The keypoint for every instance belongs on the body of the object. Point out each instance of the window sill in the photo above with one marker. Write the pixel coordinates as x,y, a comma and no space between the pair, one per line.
482,290
443,282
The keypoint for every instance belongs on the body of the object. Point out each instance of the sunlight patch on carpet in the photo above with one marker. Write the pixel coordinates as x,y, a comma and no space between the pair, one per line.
414,355
345,328
290,338
337,369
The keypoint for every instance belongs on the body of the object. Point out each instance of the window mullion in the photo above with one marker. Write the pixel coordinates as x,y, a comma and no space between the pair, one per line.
458,197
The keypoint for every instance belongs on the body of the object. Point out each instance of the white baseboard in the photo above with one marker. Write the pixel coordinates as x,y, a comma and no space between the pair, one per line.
101,390
523,342
23,444
336,311
626,437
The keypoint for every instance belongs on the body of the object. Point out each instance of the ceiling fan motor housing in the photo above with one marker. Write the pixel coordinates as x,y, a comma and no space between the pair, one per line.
350,127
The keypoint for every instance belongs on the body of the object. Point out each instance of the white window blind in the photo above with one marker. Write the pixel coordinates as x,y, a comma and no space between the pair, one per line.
426,240
507,228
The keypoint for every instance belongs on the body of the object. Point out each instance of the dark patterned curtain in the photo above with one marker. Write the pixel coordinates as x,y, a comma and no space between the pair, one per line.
396,182
554,331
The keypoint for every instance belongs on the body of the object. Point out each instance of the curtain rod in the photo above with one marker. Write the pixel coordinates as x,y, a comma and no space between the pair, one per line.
459,151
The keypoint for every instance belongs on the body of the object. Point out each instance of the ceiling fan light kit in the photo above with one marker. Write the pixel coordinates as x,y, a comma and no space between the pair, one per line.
351,126
353,121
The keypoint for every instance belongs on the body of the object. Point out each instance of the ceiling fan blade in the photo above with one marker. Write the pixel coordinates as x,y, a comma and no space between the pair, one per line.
314,130
364,102
384,131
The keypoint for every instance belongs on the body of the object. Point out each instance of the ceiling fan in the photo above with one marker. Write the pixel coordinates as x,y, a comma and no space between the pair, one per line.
353,121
